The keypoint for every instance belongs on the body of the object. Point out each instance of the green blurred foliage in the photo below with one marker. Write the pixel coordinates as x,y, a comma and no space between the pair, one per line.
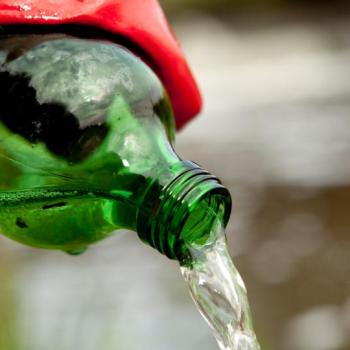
217,6
232,7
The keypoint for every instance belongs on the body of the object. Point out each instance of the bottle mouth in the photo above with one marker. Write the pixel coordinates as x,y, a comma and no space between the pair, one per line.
185,212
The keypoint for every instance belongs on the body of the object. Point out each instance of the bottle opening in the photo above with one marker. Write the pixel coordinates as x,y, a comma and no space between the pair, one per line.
184,212
202,216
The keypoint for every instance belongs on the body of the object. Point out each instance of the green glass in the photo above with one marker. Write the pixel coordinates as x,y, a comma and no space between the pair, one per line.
86,131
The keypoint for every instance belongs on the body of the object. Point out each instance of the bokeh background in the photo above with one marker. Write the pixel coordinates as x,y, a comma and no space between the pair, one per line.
275,76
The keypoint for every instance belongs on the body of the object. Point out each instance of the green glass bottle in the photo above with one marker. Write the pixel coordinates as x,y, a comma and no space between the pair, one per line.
85,149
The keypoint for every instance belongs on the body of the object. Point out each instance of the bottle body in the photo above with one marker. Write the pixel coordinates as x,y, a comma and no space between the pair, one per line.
85,143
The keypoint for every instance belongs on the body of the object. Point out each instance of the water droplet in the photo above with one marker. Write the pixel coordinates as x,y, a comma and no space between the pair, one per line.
25,7
76,251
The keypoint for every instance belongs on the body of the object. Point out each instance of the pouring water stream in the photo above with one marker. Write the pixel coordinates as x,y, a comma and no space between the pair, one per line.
219,292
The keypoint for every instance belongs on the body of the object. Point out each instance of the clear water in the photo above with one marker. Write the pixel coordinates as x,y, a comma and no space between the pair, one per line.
220,294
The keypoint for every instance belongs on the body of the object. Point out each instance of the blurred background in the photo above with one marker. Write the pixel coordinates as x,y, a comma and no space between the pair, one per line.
275,76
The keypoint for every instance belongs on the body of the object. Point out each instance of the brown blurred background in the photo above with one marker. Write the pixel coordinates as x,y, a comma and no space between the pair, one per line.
275,76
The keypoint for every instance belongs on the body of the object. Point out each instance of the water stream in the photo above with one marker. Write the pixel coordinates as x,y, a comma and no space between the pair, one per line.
220,294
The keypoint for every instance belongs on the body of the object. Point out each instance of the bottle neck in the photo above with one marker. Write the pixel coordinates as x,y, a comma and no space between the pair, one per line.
182,212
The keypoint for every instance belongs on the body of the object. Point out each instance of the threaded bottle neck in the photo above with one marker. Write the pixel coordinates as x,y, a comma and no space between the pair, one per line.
183,211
